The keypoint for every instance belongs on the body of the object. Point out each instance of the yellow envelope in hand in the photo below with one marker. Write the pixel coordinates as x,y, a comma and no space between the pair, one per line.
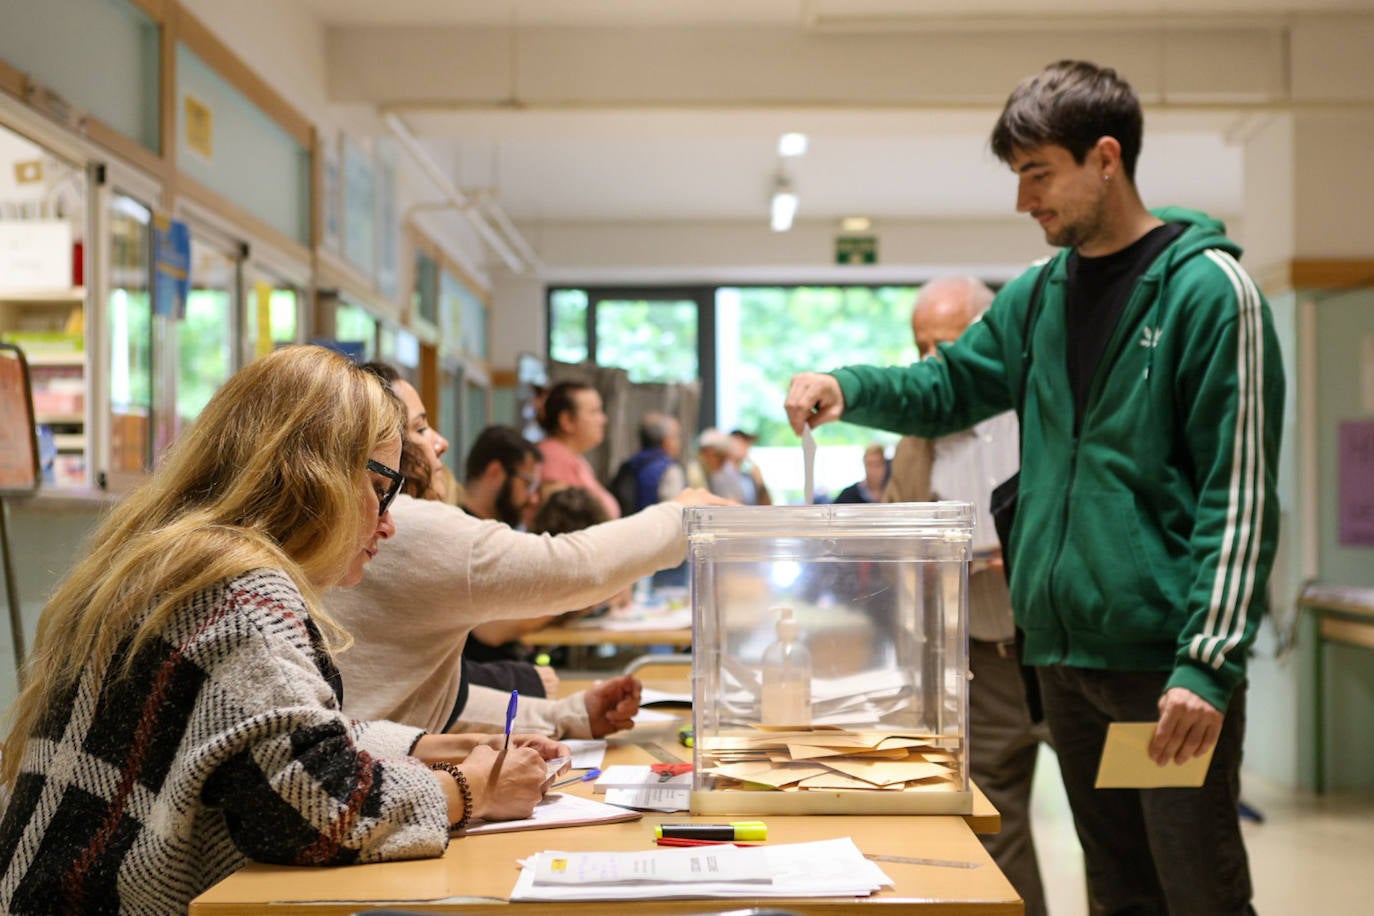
1126,762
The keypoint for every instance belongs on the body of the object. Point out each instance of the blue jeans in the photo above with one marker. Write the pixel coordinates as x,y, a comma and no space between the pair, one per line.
1148,851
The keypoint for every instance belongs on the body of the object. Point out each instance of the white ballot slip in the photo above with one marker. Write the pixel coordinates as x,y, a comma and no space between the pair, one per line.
826,868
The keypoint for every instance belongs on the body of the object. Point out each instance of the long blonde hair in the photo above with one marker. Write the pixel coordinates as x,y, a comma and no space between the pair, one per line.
268,476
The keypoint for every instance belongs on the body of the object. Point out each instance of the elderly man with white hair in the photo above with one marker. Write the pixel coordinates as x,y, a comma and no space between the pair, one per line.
713,468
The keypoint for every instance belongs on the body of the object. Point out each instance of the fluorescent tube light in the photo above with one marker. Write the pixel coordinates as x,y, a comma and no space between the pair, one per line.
790,145
783,209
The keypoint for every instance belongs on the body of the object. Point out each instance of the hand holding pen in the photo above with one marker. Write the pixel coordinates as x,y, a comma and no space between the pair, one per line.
510,715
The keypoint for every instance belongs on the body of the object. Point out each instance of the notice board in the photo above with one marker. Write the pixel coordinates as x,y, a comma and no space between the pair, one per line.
18,442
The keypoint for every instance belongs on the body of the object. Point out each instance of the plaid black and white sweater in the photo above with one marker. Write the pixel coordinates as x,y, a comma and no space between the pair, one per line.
225,744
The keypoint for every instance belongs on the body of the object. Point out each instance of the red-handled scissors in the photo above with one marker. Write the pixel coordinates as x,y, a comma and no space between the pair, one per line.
667,771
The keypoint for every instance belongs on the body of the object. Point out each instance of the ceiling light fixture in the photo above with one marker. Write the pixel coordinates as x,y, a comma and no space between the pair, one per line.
792,145
855,224
784,204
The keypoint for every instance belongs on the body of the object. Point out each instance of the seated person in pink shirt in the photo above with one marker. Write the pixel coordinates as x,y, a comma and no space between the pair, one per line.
575,424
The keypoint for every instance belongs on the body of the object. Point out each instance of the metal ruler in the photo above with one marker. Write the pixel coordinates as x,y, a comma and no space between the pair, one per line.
661,753
908,860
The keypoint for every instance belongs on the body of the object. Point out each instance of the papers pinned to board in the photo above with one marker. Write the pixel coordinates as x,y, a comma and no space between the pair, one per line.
826,868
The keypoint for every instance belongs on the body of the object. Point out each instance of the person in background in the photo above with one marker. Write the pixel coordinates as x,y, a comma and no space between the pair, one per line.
568,510
652,474
1004,741
180,714
755,490
502,476
575,424
870,489
448,571
1148,512
714,468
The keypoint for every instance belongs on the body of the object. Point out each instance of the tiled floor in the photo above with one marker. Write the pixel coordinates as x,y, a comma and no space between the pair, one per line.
1312,855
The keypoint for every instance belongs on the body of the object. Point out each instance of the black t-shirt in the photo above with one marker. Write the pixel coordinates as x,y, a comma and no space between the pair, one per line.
1095,296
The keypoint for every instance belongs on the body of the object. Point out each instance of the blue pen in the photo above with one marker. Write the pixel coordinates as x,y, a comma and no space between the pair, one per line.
585,777
510,713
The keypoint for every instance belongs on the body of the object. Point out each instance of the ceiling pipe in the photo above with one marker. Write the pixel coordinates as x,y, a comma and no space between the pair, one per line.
452,195
497,214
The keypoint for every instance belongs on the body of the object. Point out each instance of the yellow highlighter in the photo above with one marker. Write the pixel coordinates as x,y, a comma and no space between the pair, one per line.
727,833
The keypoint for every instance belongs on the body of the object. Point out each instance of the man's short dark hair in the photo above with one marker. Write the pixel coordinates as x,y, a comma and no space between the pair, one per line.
1073,104
501,444
559,401
567,510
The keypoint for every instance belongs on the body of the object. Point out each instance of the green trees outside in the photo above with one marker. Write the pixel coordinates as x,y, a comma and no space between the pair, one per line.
764,334
785,330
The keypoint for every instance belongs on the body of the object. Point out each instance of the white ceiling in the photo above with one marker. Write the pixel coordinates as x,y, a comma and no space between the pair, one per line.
673,164
776,12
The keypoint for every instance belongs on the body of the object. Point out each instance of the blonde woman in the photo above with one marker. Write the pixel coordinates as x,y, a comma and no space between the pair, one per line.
181,712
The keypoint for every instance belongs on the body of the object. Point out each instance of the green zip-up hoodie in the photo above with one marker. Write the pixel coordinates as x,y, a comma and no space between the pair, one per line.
1145,541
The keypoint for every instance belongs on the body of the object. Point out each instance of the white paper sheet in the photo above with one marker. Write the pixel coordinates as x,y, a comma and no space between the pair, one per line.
808,466
652,798
826,868
588,753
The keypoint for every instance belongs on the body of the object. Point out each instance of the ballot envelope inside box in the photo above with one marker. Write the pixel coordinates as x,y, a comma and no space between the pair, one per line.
830,661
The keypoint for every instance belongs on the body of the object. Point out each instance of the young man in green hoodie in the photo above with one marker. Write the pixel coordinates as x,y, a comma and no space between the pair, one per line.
1151,389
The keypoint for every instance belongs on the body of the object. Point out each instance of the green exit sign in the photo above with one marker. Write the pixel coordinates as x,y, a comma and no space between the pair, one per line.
856,249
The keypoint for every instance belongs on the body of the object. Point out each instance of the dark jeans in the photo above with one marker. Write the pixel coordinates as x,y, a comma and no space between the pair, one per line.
1148,851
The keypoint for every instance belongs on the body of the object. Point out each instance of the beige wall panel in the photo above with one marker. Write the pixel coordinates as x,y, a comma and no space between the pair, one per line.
1333,196
1269,202
394,65
764,65
1331,59
1224,65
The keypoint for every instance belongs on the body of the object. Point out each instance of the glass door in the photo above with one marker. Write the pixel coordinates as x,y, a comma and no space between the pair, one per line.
205,335
130,328
273,310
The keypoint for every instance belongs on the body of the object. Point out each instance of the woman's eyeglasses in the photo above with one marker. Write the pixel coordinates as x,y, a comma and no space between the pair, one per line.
397,480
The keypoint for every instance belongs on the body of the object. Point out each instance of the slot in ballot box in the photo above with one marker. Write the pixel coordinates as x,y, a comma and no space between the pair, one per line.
830,661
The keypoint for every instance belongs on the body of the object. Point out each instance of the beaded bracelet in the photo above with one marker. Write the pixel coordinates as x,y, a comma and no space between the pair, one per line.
463,788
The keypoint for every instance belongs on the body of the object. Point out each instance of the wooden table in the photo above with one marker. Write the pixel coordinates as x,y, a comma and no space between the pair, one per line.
1339,615
477,873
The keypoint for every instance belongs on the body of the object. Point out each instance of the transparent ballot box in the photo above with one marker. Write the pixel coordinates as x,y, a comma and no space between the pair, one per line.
830,658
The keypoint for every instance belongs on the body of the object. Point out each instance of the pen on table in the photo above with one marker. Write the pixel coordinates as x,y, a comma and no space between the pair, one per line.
580,777
728,833
510,712
677,841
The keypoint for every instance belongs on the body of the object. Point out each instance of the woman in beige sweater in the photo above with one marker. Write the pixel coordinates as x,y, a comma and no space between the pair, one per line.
444,572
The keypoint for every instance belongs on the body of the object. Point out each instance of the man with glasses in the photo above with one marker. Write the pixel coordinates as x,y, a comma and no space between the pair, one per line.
502,476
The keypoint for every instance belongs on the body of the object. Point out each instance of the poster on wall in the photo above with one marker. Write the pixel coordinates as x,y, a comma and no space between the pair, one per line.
1357,483
332,203
359,208
199,123
171,266
388,219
